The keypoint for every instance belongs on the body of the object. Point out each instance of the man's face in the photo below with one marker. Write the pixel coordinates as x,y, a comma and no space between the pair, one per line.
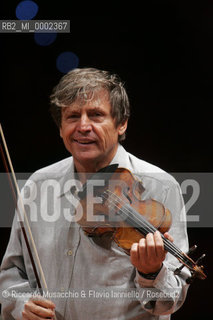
89,132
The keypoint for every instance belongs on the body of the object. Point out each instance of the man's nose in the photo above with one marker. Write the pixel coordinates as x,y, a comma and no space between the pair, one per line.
84,124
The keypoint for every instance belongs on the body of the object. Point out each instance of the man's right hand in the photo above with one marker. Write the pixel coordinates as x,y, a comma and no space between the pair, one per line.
38,308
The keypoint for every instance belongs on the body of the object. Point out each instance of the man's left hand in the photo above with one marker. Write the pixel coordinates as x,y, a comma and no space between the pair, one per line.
148,255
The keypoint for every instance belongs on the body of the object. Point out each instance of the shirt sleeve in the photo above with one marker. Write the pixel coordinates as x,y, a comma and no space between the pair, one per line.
15,287
167,292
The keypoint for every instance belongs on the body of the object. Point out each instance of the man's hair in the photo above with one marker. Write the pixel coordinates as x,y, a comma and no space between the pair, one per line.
84,83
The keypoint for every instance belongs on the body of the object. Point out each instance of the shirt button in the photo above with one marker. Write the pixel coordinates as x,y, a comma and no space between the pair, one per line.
69,252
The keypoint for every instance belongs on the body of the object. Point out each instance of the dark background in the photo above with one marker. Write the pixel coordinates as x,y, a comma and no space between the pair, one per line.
162,50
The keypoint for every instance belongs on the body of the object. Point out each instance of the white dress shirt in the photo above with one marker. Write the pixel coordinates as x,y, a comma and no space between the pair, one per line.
88,277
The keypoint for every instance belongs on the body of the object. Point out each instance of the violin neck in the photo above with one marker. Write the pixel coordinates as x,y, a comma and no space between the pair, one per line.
136,220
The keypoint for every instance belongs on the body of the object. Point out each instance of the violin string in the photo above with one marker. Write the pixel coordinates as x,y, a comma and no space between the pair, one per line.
149,228
146,225
119,201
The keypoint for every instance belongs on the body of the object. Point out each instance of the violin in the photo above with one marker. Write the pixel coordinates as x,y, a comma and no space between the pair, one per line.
119,210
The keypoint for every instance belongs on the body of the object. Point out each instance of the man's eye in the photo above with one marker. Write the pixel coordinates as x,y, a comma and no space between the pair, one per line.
96,114
73,116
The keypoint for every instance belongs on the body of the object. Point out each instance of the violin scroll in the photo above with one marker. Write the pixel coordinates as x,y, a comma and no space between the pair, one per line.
195,269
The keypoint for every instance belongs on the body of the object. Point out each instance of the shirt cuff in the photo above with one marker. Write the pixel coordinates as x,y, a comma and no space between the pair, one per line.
19,307
147,282
150,276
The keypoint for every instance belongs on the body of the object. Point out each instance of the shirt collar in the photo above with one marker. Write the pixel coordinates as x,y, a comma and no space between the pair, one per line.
121,157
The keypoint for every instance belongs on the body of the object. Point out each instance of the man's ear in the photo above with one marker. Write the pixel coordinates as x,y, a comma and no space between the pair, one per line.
122,127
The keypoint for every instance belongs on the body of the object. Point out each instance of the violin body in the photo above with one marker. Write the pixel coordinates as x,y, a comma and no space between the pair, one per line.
125,187
111,202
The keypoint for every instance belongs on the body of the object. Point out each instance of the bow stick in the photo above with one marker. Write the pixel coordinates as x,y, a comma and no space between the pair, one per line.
23,211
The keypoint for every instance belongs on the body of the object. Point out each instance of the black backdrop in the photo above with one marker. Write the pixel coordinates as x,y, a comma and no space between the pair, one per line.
163,52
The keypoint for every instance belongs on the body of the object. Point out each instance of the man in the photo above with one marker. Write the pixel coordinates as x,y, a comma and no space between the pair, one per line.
91,109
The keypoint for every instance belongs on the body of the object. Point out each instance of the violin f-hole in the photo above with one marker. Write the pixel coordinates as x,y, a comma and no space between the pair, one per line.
125,193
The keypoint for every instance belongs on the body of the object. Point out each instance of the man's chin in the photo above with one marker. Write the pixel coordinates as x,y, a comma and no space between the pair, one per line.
87,158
